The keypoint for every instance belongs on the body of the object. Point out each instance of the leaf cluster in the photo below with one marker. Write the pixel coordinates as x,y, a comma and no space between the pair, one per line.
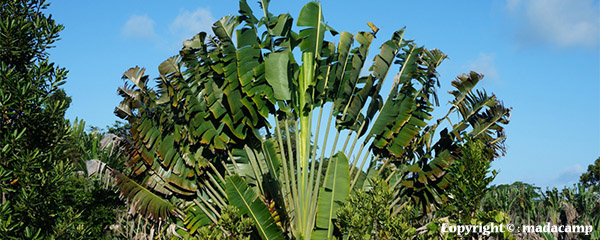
366,215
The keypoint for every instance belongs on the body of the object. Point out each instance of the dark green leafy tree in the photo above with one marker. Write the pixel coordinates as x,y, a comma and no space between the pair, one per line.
366,215
591,178
42,197
33,129
471,178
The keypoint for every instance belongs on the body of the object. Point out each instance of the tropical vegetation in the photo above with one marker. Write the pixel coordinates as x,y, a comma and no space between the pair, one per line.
202,139
268,127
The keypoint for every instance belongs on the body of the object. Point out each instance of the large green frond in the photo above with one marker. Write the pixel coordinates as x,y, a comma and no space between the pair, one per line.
332,195
244,198
142,200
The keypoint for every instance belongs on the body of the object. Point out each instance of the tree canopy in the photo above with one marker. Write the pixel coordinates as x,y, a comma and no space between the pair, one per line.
42,196
592,176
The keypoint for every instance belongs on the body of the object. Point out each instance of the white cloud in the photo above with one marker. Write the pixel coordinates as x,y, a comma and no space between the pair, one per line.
485,64
188,24
139,27
563,23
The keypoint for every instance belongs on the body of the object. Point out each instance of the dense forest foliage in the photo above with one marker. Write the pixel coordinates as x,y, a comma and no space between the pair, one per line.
264,128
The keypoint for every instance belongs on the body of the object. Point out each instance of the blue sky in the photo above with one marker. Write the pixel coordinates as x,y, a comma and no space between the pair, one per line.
541,57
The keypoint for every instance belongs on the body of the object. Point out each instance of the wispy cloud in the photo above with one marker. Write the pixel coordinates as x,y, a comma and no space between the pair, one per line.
485,64
139,26
184,26
187,23
569,175
562,23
